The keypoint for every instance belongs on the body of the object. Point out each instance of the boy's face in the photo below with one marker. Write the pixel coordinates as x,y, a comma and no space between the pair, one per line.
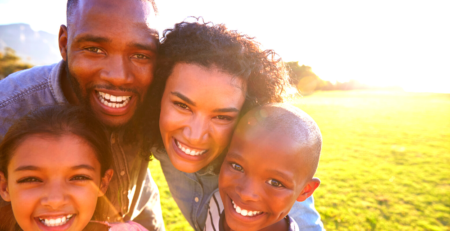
261,178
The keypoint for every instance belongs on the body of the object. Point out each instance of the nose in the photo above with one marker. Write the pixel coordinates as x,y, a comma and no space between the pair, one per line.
55,195
247,189
197,129
117,71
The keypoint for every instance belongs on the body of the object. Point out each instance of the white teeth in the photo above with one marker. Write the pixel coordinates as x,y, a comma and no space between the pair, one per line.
189,151
112,100
245,212
56,222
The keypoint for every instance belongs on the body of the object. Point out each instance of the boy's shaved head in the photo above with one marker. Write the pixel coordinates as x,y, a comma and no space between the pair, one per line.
288,122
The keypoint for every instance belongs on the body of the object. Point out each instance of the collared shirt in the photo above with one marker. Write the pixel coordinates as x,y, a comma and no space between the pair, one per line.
27,90
193,191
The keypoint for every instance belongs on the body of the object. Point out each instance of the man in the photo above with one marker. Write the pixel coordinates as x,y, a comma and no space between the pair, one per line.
108,49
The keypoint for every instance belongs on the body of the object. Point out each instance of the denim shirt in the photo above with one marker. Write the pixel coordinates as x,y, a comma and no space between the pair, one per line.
193,191
27,90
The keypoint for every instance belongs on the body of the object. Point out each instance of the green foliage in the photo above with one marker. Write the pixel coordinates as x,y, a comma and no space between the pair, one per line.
10,63
384,165
303,78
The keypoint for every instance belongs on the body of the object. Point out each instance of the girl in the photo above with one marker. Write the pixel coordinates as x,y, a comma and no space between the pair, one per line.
54,164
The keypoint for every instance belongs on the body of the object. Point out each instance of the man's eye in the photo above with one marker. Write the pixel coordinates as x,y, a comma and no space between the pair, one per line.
237,167
80,178
29,180
140,56
182,105
275,183
95,50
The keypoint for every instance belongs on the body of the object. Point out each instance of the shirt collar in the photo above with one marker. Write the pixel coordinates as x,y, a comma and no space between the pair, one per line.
55,82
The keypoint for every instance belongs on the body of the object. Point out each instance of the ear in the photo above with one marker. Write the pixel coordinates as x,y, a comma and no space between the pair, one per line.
308,190
62,40
105,182
4,191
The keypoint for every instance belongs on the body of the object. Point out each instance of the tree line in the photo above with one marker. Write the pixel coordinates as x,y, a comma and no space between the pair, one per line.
10,63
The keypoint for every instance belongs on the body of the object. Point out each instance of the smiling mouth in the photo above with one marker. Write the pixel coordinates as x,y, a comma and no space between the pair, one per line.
113,101
244,212
189,151
56,221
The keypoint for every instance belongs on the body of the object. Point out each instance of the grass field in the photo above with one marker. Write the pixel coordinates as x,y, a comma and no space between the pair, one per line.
385,162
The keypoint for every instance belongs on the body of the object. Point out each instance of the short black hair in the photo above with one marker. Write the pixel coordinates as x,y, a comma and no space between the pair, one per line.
71,4
290,121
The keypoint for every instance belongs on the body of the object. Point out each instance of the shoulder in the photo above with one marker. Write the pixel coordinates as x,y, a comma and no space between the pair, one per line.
292,224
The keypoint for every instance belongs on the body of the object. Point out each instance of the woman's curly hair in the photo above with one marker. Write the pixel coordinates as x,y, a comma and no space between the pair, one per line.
210,45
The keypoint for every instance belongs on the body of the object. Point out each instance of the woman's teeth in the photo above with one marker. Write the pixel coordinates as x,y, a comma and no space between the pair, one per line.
56,222
112,100
244,212
189,151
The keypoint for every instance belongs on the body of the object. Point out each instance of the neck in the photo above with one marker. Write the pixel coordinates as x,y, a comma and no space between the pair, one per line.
67,90
281,225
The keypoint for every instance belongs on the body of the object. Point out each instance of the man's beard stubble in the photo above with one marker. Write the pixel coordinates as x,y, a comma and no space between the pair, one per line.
84,101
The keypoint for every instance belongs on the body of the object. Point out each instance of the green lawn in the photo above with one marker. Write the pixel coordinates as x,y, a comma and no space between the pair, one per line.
385,162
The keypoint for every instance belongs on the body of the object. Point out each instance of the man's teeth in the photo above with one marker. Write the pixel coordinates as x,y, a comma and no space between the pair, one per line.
57,221
112,100
189,151
244,212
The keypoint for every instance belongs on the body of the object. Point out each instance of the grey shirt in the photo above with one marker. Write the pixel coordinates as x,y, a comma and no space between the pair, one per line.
27,90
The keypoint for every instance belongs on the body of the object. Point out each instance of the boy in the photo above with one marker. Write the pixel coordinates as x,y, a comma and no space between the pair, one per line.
270,164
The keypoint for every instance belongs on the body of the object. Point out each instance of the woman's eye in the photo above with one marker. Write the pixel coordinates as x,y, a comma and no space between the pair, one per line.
237,167
94,50
222,117
80,178
182,105
275,183
29,180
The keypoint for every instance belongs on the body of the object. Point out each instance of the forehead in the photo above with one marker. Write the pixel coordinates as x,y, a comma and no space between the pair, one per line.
114,18
197,82
50,151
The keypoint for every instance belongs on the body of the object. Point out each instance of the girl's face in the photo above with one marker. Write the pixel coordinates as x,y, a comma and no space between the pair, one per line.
53,183
199,110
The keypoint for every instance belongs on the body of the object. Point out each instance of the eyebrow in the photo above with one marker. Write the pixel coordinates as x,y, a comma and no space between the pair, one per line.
92,38
189,101
83,166
148,47
26,168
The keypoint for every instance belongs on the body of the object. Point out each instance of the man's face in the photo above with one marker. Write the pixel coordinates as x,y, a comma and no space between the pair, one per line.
110,53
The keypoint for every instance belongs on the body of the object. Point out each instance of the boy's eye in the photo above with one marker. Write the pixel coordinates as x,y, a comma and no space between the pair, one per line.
95,50
237,167
182,105
222,117
275,183
80,178
29,180
140,56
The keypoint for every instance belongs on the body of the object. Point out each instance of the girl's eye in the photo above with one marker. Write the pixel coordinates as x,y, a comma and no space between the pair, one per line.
94,50
222,117
182,105
80,178
237,167
29,180
275,183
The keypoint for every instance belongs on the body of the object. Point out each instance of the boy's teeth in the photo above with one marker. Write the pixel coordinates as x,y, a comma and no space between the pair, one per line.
189,151
244,212
112,100
57,221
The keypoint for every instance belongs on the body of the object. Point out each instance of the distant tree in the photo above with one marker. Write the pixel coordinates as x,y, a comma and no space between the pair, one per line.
303,78
10,63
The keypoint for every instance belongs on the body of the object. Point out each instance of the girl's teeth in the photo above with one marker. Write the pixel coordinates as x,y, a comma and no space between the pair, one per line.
56,222
189,151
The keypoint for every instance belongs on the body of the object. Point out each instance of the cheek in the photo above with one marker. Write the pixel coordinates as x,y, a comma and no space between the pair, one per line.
23,203
223,135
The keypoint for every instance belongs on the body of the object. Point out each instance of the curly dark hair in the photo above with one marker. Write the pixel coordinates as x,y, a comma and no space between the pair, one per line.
210,45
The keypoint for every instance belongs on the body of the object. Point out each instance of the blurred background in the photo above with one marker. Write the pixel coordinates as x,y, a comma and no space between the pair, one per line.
374,75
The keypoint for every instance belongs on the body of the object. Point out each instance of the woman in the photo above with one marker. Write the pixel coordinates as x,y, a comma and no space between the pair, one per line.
207,77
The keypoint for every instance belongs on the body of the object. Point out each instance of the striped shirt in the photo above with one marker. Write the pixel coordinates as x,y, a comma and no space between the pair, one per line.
215,217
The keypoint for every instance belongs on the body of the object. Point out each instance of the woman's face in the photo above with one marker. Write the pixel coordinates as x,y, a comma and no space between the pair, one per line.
53,183
199,110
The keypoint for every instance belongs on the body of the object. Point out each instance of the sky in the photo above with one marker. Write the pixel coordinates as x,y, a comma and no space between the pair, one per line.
383,43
